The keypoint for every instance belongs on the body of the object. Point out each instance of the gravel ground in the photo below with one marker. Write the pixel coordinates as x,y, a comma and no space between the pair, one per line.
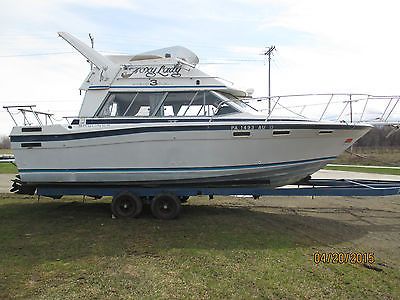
5,182
335,224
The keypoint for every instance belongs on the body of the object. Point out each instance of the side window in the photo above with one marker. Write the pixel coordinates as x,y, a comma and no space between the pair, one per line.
196,106
107,107
190,104
145,104
175,103
116,104
131,104
165,104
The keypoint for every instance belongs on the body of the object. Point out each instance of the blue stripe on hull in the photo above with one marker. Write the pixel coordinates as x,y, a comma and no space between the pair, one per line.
185,169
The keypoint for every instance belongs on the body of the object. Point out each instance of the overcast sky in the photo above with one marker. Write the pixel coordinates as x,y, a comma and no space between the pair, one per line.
322,46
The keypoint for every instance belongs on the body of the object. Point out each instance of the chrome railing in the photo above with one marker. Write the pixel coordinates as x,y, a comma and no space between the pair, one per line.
29,115
352,108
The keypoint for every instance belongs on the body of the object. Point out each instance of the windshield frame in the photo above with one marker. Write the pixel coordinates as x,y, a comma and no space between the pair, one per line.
238,104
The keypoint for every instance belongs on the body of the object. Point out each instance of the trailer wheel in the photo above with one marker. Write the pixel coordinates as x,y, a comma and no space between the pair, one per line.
165,206
126,205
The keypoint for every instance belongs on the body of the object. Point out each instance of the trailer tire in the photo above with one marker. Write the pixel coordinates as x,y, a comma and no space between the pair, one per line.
126,205
165,206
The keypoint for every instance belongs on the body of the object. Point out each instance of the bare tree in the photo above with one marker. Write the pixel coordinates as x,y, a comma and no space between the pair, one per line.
5,142
380,137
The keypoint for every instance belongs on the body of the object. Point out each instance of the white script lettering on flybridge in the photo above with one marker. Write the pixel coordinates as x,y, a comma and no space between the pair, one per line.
152,71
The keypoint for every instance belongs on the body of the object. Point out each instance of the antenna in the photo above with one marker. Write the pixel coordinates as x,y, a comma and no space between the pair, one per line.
98,60
268,51
92,43
91,40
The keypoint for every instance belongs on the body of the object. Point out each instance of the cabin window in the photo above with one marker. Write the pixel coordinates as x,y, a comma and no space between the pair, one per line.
131,104
190,104
166,104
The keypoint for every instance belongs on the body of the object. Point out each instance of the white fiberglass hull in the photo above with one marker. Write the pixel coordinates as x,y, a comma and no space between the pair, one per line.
270,153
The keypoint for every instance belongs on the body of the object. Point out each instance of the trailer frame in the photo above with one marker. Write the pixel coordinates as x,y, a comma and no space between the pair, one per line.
313,187
165,201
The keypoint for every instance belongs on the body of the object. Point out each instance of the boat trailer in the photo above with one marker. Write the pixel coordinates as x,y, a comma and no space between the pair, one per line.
165,202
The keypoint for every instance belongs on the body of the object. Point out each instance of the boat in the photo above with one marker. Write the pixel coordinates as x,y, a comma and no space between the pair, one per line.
154,119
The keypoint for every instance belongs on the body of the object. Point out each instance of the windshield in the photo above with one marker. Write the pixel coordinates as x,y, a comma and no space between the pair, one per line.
237,103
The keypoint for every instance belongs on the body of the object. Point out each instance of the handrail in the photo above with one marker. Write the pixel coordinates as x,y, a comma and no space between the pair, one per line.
344,105
24,109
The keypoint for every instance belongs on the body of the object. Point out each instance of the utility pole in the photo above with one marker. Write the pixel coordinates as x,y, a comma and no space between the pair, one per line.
351,110
268,51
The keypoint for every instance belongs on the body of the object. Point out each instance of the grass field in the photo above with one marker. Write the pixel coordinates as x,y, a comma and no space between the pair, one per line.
378,156
365,169
5,151
8,168
222,248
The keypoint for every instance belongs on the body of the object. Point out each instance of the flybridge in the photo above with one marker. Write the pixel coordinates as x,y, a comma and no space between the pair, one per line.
169,63
179,55
171,69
